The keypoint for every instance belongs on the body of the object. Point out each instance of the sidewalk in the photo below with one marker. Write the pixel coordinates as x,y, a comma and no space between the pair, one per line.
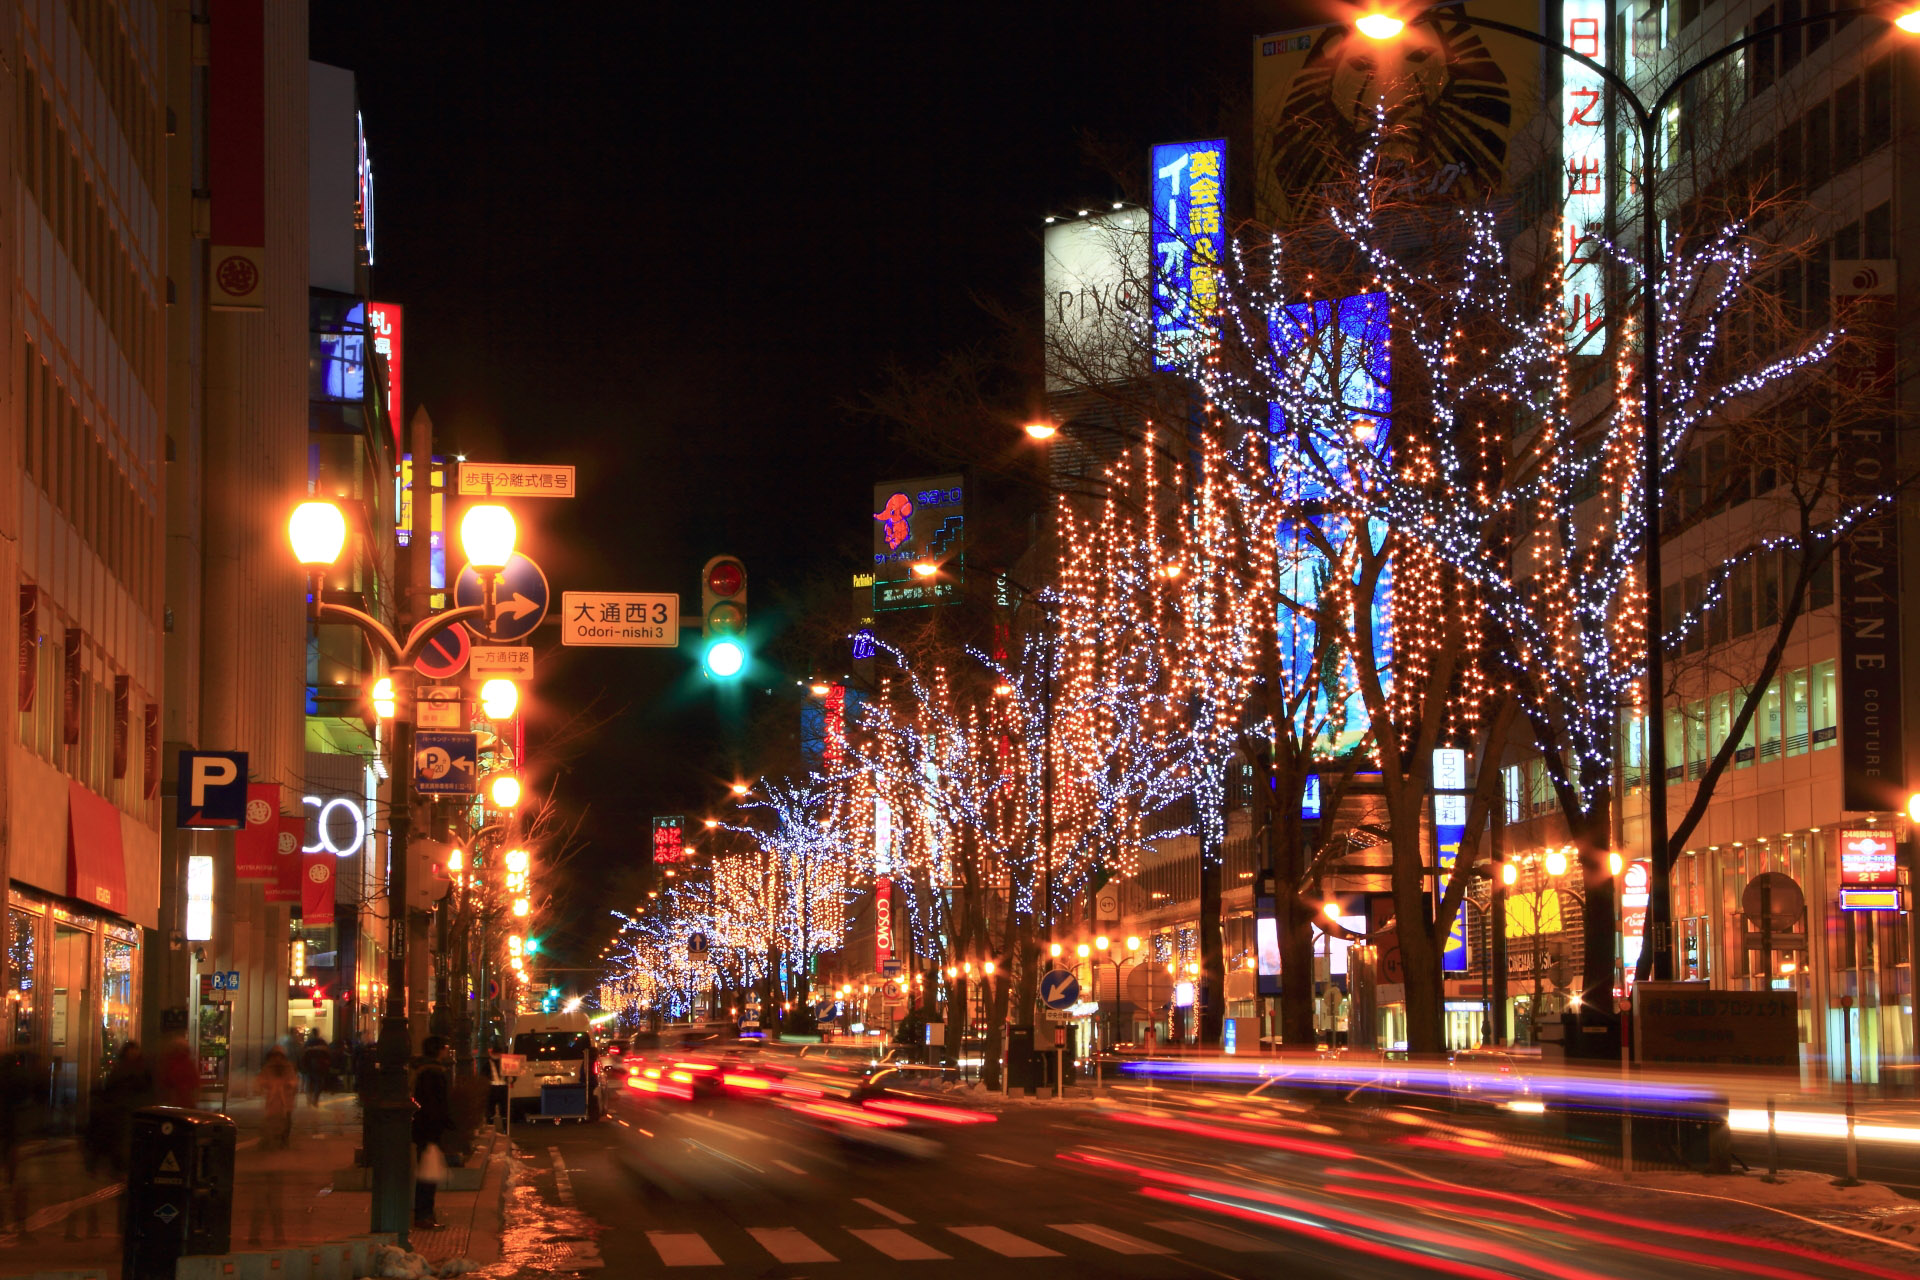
281,1198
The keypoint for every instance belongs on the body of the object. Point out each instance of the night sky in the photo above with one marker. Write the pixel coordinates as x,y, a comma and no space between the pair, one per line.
677,245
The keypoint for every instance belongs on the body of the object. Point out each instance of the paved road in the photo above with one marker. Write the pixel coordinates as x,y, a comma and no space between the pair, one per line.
747,1188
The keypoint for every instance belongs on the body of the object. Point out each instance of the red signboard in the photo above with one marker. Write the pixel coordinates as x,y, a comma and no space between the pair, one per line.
316,888
1867,857
384,323
882,923
256,845
285,885
669,840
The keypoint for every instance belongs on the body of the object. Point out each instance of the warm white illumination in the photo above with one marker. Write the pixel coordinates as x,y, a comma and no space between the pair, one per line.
317,531
1333,910
1101,943
1379,26
1133,944
518,860
1614,863
200,898
520,907
1909,22
487,534
925,568
383,703
1556,863
822,690
1508,873
499,697
503,789
1040,429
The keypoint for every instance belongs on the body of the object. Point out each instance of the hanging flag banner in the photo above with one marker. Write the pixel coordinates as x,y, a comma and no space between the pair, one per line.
256,845
285,885
316,887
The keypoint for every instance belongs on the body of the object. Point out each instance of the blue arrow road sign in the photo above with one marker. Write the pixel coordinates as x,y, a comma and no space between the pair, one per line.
521,597
445,763
1059,989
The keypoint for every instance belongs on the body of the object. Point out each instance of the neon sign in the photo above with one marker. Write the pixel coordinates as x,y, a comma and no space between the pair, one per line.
324,829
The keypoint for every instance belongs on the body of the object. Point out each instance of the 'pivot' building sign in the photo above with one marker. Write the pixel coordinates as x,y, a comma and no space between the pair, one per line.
213,791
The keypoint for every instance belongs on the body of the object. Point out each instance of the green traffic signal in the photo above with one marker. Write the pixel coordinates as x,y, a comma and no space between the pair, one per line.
725,659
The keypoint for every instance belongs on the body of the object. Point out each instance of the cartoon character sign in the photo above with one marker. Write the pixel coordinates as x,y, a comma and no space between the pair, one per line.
896,520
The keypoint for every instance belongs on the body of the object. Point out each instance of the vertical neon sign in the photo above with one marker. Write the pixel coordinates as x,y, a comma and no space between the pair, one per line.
1188,240
1583,150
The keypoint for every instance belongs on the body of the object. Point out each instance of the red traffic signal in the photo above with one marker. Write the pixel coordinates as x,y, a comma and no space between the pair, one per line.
725,577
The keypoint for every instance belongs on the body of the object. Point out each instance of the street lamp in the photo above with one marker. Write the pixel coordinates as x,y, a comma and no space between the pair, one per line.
1381,25
317,532
499,698
503,791
1041,429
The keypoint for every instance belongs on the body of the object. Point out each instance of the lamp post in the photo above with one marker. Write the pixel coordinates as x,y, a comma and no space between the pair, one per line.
318,533
1380,25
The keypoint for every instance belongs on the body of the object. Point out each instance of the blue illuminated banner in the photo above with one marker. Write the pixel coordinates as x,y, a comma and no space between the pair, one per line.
1449,827
1188,243
1337,354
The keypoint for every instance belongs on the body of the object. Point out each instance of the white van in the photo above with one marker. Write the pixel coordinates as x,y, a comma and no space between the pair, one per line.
558,1048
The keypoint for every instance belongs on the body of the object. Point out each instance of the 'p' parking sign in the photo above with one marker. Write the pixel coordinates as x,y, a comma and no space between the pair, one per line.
212,791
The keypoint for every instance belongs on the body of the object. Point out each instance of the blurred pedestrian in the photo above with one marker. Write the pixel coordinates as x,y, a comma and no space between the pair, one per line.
432,1128
316,1064
109,1133
178,1079
278,1086
19,1078
496,1085
342,1061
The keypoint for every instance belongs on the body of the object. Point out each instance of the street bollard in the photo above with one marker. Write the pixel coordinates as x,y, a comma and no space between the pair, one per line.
1773,1147
1846,1051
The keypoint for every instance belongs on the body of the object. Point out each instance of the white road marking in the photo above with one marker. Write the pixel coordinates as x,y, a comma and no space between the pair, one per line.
884,1212
1108,1238
1004,1243
1018,1164
562,1180
791,1168
1223,1237
790,1244
682,1249
897,1244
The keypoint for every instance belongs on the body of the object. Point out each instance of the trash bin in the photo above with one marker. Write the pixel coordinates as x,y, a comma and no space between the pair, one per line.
179,1189
1023,1064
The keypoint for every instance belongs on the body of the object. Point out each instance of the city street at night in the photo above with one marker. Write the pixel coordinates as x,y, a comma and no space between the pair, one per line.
1234,638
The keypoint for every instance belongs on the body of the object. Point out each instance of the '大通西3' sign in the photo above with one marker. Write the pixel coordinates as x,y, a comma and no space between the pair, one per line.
1188,244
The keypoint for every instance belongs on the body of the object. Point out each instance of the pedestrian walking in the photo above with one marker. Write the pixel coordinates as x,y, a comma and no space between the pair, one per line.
432,1128
316,1064
278,1086
496,1086
178,1079
109,1134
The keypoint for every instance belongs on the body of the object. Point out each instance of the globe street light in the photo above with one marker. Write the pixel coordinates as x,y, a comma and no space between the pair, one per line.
317,533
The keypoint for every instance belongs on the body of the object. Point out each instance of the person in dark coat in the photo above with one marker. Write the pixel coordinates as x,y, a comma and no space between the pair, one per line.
316,1064
127,1088
432,1124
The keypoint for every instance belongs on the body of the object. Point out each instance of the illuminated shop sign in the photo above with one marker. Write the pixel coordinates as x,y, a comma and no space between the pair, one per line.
1187,244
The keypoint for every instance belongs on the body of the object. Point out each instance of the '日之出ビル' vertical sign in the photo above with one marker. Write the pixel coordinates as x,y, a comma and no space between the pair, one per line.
237,153
1189,183
1583,150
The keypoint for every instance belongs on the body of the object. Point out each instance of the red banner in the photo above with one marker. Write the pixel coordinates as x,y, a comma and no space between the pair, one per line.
237,150
316,887
285,885
256,844
882,923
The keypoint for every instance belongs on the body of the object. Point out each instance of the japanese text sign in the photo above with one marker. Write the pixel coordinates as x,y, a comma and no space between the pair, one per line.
636,618
1187,244
669,840
1867,857
510,480
1583,153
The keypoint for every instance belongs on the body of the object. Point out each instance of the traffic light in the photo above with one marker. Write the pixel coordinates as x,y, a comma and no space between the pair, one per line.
723,614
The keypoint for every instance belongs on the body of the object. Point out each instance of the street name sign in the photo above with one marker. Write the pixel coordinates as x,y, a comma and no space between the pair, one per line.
515,480
446,764
521,596
636,619
504,661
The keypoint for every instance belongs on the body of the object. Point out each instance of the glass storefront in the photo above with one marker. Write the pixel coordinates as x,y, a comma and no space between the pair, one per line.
73,991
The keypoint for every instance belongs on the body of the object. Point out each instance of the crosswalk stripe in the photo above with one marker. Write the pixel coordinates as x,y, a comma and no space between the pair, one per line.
1108,1238
897,1244
883,1211
1223,1237
682,1249
790,1244
1004,1243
